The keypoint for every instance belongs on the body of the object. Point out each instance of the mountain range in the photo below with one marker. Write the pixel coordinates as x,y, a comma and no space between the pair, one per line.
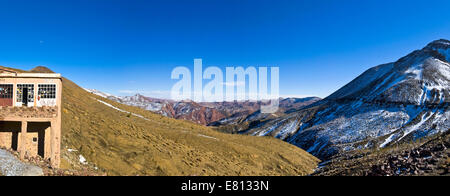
389,104
107,137
393,119
204,113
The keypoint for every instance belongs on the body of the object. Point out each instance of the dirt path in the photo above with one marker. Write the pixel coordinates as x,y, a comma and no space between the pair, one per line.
11,166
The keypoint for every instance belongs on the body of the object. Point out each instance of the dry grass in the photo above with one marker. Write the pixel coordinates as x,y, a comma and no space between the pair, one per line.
127,145
121,144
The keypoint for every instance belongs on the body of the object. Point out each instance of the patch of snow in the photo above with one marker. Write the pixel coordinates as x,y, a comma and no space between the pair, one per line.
317,147
368,144
99,93
111,106
120,110
201,135
270,129
410,129
83,160
384,81
415,71
397,81
443,67
387,141
287,129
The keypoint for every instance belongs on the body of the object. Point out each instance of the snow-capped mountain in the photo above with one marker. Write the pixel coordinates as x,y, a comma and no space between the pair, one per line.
186,110
99,93
206,113
246,119
395,102
419,78
147,103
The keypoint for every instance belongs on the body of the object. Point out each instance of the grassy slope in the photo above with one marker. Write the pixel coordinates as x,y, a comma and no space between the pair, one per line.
123,144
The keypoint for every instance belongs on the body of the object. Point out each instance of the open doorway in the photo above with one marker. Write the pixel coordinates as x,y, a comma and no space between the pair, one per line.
36,141
38,138
25,97
9,134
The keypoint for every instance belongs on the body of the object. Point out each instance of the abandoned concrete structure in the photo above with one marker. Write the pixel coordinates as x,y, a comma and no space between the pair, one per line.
30,114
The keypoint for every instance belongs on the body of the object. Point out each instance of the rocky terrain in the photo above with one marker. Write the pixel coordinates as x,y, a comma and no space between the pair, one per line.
31,112
244,121
102,136
431,158
204,113
185,110
428,157
388,104
391,120
10,165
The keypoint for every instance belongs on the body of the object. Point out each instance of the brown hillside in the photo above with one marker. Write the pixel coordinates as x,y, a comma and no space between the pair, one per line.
41,69
139,142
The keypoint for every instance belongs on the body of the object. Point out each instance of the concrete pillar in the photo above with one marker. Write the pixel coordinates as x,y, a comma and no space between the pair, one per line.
55,134
23,140
14,92
35,94
57,125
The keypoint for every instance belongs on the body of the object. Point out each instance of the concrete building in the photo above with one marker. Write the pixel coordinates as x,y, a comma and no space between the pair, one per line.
30,114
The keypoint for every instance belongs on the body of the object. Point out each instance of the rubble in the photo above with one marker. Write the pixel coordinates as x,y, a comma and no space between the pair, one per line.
428,158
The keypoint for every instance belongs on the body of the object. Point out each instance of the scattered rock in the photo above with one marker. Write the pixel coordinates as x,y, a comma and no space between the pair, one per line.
418,161
12,166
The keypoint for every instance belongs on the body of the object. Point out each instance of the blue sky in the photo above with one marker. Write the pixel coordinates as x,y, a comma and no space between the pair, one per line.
123,47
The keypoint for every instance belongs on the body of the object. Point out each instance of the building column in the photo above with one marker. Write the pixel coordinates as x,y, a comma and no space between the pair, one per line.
23,140
35,93
14,93
55,134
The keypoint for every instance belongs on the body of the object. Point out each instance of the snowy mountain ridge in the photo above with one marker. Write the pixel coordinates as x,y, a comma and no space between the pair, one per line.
390,103
206,113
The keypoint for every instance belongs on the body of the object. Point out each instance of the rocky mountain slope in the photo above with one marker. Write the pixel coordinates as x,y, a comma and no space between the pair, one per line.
185,110
426,157
243,121
388,104
118,139
205,113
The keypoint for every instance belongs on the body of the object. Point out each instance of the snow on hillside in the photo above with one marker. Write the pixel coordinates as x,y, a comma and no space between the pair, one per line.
394,102
99,93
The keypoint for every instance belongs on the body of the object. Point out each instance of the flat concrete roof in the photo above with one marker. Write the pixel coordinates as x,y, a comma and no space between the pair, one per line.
30,75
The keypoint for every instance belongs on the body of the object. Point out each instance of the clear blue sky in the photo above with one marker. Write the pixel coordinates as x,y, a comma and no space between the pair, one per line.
132,46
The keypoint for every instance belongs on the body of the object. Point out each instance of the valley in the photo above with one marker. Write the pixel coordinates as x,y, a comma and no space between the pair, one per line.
115,139
391,120
390,105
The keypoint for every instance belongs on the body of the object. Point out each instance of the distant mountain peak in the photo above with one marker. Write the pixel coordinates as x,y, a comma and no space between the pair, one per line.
440,43
41,69
391,103
137,95
439,49
420,78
